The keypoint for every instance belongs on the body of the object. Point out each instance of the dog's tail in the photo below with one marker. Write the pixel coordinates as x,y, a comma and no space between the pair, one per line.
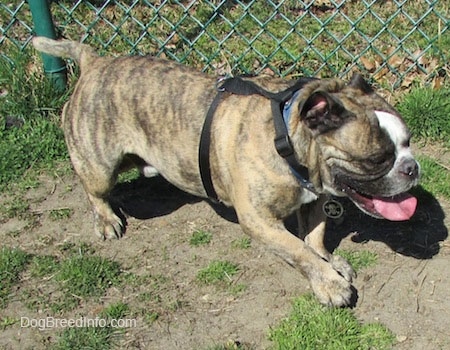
65,48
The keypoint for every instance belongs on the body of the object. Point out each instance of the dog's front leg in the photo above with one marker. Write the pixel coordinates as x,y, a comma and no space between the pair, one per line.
312,221
330,287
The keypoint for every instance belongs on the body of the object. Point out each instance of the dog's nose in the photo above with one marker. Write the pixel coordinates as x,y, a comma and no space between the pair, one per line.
409,168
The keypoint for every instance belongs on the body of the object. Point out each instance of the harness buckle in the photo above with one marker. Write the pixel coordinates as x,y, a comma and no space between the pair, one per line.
283,146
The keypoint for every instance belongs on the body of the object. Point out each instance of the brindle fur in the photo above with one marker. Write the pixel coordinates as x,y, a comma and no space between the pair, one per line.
154,109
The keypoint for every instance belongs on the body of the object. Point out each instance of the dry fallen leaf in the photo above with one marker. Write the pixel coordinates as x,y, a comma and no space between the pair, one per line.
407,82
395,61
437,82
381,73
368,64
268,71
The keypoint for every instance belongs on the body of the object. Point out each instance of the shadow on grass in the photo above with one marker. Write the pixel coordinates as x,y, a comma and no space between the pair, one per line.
419,237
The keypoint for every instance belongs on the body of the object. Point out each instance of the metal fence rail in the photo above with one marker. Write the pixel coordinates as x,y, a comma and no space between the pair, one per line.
396,41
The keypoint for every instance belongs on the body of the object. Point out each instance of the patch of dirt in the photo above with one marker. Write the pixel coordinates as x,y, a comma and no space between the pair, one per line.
407,290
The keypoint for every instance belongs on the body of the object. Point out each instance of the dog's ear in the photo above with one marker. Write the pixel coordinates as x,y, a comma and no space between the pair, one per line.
321,112
358,82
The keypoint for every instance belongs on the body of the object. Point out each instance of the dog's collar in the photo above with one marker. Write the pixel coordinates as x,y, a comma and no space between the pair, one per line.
281,109
287,108
299,171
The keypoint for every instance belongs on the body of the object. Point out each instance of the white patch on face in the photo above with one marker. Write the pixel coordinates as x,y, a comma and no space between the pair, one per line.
397,131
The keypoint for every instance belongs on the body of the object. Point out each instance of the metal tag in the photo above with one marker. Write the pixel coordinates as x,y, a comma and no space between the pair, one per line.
333,209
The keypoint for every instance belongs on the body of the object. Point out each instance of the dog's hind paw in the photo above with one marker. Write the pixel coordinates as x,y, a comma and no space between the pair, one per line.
109,228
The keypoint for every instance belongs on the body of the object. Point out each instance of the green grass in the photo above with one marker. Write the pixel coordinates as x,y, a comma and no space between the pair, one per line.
30,136
99,338
60,214
12,263
242,243
128,176
116,311
314,326
8,321
217,271
358,259
43,265
200,237
427,113
79,276
76,276
15,208
435,178
86,276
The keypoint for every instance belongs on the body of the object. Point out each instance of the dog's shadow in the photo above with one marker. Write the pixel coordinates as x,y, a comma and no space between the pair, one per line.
146,198
419,237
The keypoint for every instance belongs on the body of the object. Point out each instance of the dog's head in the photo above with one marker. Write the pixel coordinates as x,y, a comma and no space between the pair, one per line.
359,147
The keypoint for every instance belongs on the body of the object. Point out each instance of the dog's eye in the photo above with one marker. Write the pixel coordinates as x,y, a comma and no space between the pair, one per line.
378,159
381,159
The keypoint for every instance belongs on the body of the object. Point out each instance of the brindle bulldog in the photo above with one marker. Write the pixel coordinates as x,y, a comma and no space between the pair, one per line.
151,112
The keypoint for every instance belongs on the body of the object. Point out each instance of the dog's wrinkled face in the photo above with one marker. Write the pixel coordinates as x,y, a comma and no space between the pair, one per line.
363,144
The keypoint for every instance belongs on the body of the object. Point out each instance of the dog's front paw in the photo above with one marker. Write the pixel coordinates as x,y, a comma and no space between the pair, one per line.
331,288
343,267
108,227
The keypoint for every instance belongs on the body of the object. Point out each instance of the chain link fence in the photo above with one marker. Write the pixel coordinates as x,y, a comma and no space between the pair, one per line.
396,42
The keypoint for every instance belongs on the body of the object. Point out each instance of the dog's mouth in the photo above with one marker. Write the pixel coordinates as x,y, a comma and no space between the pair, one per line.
400,207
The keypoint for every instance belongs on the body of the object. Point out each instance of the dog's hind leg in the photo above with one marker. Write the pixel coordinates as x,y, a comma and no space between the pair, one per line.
98,180
107,223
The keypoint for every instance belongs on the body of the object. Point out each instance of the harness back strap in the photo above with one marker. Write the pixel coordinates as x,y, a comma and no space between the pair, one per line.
283,144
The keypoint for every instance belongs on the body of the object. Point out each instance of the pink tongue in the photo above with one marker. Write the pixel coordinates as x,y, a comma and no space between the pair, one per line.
398,208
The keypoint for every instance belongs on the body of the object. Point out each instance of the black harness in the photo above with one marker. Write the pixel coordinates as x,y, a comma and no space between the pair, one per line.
281,108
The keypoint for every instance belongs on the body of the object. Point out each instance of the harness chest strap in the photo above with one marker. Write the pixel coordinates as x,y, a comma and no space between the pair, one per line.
204,149
282,140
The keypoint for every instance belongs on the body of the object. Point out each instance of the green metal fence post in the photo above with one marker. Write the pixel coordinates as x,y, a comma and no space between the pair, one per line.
54,67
